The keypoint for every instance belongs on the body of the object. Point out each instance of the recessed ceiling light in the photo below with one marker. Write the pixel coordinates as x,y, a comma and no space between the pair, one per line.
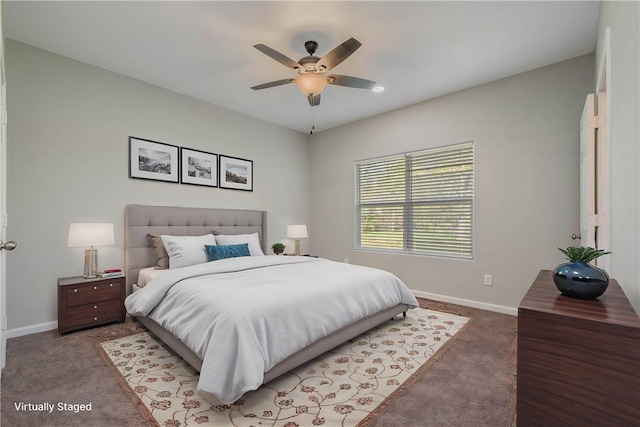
378,89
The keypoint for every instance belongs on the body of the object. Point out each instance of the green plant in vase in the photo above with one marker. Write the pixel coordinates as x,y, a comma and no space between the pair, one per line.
277,248
579,279
581,254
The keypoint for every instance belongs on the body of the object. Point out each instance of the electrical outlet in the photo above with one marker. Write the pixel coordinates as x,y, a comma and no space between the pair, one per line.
488,281
346,260
4,323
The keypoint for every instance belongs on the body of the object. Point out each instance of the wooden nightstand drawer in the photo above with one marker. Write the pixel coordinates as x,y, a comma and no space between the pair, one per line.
94,292
97,313
84,303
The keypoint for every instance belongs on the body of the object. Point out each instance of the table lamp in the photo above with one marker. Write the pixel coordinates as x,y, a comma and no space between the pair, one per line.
297,232
83,234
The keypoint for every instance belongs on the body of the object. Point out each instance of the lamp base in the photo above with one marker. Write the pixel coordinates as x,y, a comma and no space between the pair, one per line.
297,252
90,263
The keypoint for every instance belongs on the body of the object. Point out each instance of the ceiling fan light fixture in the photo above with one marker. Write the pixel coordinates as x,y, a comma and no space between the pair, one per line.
311,83
311,70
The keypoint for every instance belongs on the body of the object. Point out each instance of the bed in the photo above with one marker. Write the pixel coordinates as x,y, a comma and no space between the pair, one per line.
141,221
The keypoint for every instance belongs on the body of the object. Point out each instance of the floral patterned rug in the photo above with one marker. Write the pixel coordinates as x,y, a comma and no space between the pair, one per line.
338,389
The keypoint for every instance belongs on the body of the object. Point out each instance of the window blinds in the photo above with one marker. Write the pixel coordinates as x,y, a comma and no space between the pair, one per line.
419,202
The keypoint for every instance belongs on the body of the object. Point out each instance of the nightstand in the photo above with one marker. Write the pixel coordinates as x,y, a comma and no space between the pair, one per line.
84,303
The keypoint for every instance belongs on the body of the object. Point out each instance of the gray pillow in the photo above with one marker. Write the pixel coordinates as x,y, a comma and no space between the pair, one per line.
161,252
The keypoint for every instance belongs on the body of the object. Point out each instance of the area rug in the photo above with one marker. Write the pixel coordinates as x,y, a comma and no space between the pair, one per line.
338,389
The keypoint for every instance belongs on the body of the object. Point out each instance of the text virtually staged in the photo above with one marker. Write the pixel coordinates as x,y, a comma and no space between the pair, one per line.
50,407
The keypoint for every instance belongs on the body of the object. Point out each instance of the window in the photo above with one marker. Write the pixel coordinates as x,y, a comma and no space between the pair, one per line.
418,203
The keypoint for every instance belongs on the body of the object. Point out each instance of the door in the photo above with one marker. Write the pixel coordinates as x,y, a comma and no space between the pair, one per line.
595,164
3,199
588,174
594,173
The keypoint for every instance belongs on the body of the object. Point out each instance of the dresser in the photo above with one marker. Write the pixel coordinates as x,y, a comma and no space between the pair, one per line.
84,303
578,360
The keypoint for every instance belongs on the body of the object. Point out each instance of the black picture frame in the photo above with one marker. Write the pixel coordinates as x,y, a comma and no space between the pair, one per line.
153,160
198,167
235,173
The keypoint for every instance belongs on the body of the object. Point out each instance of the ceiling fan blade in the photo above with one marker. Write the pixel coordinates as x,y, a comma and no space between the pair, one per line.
314,100
337,55
348,81
274,54
273,84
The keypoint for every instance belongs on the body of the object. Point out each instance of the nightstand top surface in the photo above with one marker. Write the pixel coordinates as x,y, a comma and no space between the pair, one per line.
79,280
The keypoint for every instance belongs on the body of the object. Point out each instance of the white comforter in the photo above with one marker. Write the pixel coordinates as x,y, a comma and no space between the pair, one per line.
244,315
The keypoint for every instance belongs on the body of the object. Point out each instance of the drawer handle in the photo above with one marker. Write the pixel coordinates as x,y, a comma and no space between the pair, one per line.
110,284
95,306
95,318
95,287
75,290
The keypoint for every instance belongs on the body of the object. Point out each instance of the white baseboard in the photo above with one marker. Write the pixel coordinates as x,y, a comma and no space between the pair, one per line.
32,329
467,303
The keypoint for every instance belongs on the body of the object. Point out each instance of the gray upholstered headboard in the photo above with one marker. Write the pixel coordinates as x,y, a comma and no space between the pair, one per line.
140,220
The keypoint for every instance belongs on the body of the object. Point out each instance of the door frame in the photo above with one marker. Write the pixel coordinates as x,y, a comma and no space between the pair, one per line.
603,141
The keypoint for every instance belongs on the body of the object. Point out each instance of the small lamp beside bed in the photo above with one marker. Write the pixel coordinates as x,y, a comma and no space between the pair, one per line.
83,234
297,232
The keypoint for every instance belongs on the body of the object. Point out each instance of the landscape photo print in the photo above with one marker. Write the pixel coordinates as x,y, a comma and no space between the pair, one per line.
153,160
236,173
199,167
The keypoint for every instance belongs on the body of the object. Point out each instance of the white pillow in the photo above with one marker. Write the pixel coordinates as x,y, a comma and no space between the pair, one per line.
187,250
233,239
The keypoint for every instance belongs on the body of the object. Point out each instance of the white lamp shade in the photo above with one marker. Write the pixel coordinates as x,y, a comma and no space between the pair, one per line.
297,232
311,83
83,234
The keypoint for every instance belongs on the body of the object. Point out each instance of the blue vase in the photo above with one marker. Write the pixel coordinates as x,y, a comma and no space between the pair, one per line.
580,280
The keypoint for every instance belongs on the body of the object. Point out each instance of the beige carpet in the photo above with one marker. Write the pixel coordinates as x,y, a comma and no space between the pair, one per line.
339,388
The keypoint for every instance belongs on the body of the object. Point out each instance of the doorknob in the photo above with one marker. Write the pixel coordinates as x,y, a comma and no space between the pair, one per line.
576,236
9,246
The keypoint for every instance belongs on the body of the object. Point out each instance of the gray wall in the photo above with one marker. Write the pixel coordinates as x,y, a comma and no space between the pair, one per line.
623,19
526,134
68,152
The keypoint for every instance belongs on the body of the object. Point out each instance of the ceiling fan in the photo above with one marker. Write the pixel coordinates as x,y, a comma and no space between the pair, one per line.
311,69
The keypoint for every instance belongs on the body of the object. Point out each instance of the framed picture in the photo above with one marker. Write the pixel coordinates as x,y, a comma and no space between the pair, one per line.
153,160
235,173
198,167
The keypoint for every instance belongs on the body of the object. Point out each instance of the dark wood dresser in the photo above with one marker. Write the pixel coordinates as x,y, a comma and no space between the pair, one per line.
578,360
84,303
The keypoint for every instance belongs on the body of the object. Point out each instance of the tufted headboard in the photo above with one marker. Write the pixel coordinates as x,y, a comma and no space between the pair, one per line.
140,220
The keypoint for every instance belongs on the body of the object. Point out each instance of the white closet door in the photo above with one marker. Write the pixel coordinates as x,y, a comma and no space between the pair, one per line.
3,198
588,174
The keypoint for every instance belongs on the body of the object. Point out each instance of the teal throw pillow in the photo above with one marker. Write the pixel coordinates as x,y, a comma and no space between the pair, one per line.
215,253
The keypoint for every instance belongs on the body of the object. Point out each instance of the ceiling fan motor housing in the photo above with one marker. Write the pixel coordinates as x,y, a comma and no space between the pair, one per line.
309,62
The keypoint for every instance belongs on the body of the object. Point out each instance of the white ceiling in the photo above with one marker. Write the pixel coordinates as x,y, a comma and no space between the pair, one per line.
416,50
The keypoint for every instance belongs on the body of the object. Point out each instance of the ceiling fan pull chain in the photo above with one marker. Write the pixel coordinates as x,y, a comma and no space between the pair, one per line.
313,121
